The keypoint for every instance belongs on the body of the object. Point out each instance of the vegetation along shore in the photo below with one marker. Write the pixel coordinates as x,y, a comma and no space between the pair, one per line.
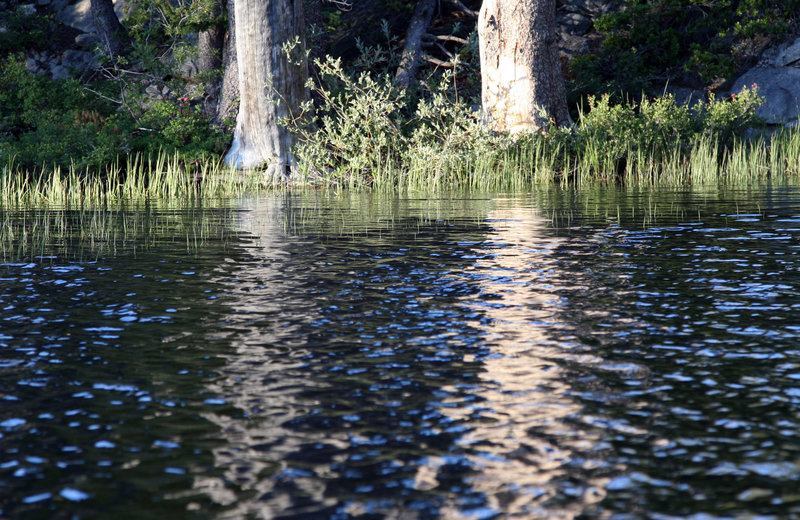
103,101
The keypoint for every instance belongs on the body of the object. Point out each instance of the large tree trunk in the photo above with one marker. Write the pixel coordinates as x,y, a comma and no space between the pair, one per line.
229,95
113,36
522,85
210,44
211,41
270,85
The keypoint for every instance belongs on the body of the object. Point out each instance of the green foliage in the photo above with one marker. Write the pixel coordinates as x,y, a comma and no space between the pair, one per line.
164,21
46,123
24,30
177,126
650,42
364,122
610,135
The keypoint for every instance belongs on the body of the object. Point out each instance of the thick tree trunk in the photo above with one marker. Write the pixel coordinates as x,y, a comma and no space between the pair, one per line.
229,93
112,34
210,44
270,85
412,50
522,85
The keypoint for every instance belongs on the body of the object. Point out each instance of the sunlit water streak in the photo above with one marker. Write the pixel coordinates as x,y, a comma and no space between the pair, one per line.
555,355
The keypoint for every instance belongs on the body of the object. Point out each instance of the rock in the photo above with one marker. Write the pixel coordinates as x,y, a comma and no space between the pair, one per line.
780,87
188,69
32,65
574,23
78,16
28,9
153,91
790,55
571,44
42,2
86,40
59,72
684,96
79,60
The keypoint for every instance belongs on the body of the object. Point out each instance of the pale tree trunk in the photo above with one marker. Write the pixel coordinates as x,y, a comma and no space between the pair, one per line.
270,85
522,85
112,34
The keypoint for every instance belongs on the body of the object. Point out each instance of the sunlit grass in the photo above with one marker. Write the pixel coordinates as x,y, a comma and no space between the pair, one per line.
534,163
498,165
139,178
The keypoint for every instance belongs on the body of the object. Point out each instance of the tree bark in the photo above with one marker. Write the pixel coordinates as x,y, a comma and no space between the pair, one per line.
412,50
210,45
229,93
522,87
112,34
271,86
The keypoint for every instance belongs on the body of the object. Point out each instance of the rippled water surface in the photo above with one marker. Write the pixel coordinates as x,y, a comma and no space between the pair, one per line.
559,354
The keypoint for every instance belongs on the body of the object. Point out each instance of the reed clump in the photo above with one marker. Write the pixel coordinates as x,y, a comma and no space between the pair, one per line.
139,178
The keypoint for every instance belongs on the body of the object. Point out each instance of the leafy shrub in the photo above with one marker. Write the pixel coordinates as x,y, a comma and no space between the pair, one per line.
24,29
47,123
659,129
363,122
177,126
650,42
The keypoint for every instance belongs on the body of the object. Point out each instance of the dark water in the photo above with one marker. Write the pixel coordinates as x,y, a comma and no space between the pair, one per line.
555,355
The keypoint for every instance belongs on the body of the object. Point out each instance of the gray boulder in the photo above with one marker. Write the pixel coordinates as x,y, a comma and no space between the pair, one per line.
789,56
78,15
780,86
78,60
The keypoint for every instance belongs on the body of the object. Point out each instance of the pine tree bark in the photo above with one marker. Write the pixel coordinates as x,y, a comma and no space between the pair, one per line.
229,93
210,42
522,87
270,85
113,35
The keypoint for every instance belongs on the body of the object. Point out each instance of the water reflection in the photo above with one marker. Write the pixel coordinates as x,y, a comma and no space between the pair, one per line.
536,462
557,355
343,395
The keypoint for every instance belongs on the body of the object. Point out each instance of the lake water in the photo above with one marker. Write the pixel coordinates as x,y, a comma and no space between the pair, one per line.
561,354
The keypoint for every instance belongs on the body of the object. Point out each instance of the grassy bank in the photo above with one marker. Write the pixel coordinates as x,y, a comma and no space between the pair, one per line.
367,137
539,162
498,164
138,178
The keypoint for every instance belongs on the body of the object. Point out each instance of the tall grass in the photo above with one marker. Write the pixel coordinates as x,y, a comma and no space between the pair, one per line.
138,178
529,164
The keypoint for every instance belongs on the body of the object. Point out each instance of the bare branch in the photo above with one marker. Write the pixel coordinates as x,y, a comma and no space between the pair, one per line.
459,6
451,38
438,63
